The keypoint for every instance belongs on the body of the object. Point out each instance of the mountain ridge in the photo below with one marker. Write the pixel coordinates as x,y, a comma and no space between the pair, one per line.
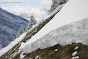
9,26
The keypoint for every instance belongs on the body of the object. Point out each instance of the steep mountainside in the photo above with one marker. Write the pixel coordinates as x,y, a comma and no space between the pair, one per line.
63,34
9,26
62,43
12,49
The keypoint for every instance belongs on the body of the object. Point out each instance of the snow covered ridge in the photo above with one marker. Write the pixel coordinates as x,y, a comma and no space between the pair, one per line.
75,32
9,26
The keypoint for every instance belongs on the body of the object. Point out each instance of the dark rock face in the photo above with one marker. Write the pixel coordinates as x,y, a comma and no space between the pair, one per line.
9,26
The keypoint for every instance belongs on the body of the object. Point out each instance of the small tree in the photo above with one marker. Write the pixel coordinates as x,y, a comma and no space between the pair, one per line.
31,23
21,31
33,19
56,3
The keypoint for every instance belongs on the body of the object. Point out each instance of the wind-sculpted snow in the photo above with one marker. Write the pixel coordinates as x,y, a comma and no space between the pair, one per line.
9,26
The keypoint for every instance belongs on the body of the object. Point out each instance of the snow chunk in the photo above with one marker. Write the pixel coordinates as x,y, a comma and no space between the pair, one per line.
37,57
77,57
56,50
74,53
76,48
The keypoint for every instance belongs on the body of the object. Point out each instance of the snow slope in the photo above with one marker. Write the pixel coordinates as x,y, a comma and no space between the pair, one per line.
73,11
9,26
76,32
